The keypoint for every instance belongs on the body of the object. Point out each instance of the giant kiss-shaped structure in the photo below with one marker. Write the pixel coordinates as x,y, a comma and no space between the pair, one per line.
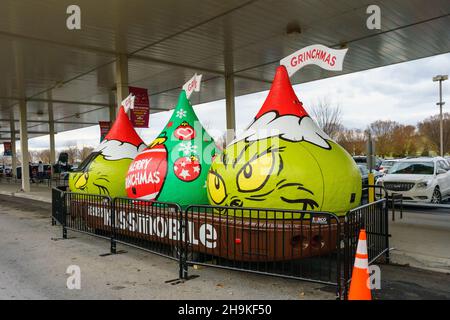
104,170
175,165
284,160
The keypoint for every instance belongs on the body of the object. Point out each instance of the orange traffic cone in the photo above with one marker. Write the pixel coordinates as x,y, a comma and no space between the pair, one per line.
359,286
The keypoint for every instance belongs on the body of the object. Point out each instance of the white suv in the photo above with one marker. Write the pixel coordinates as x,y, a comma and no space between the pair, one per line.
419,179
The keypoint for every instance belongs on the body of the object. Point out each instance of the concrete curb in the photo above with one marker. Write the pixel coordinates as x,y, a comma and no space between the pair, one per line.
19,194
421,261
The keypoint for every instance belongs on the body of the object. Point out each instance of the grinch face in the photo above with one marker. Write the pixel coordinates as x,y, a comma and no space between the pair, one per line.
104,170
252,174
96,175
283,160
275,173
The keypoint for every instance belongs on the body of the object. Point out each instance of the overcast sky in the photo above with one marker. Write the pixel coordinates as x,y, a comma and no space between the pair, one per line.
402,92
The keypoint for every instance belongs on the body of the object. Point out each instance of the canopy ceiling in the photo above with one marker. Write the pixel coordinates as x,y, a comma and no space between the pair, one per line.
167,41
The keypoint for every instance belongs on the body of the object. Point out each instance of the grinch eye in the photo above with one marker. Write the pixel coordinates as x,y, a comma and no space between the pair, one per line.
254,174
216,187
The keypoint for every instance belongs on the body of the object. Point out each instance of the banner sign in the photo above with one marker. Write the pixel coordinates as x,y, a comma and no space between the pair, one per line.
322,56
140,113
7,149
192,85
104,129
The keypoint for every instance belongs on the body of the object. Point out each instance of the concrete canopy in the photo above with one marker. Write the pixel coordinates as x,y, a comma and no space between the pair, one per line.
167,41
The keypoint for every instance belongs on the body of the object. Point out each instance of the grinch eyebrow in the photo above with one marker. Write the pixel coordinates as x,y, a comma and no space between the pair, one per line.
241,154
298,185
271,149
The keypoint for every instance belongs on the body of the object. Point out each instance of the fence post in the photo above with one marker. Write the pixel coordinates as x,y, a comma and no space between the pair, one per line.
346,255
64,216
339,257
393,207
55,204
183,244
112,213
386,231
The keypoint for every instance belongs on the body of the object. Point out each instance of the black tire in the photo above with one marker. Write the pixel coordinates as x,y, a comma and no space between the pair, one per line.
436,198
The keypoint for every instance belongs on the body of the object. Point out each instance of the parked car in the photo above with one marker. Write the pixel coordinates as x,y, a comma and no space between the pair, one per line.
421,179
386,165
363,160
365,174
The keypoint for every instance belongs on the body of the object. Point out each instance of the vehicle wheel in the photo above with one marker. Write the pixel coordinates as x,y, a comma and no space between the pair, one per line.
436,197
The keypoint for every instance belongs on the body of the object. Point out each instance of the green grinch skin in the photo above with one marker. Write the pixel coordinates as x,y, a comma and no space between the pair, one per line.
175,190
288,175
103,177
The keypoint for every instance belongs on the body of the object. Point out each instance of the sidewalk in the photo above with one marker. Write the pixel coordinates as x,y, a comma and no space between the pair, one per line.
422,240
33,266
41,193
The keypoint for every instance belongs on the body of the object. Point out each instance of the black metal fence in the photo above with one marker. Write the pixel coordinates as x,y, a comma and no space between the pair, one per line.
58,205
305,245
149,225
293,244
88,213
373,217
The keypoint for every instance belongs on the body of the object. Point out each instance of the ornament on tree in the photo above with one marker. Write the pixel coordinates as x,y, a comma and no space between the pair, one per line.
184,131
187,168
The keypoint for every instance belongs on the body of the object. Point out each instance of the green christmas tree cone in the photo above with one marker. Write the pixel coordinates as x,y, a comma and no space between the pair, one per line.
175,165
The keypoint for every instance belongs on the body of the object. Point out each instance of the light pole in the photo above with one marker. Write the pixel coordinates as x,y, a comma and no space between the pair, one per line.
441,78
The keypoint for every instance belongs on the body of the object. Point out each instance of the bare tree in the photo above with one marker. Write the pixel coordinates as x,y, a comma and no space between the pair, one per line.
44,156
353,140
430,130
405,141
84,152
72,153
221,142
328,117
383,133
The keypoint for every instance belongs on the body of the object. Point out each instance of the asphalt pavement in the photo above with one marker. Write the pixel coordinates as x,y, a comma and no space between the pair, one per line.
33,266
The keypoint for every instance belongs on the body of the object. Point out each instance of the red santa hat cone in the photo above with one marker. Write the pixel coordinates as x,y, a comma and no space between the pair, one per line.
282,98
123,130
122,141
282,115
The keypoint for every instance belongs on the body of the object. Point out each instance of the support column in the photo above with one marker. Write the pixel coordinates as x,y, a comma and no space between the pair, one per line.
24,146
229,105
121,78
13,145
51,128
112,108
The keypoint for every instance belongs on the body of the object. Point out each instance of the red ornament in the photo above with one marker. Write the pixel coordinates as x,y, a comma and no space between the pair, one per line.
147,173
187,168
184,131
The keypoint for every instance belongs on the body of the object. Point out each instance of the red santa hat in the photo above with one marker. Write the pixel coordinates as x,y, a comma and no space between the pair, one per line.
122,141
282,115
282,98
123,130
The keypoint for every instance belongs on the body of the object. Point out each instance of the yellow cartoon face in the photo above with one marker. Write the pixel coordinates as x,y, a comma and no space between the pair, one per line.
96,175
257,174
275,173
